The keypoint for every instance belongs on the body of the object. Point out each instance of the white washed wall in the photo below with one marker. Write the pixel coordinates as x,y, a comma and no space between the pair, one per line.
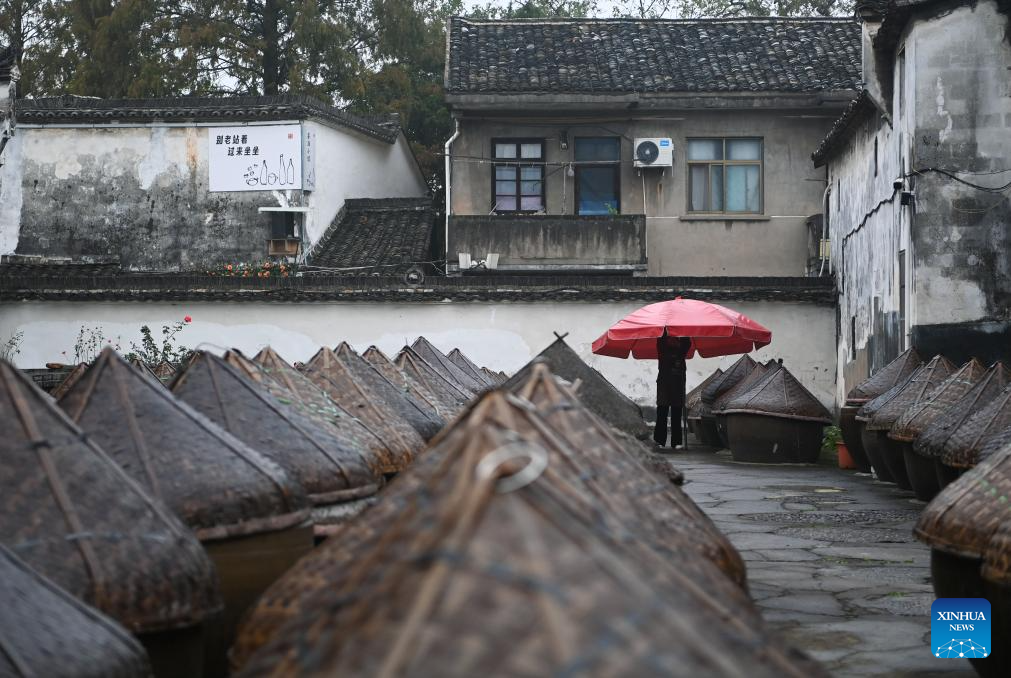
502,336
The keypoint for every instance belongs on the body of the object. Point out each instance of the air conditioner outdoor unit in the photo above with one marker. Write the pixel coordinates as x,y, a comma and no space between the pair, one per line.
654,152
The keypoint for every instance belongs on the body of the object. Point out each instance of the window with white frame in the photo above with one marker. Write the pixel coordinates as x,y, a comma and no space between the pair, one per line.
518,175
725,175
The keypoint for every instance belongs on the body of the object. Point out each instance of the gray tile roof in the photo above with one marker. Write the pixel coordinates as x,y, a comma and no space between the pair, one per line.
88,110
384,236
626,55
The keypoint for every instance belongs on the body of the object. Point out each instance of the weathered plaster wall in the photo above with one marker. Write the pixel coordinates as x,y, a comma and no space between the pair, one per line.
962,236
351,166
774,243
866,232
140,193
955,115
503,336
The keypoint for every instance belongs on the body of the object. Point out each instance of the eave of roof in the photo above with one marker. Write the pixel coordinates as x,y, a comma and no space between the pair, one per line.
23,285
859,110
86,110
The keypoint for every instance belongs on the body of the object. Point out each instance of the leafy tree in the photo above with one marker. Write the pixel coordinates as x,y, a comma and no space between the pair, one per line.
691,9
536,9
39,32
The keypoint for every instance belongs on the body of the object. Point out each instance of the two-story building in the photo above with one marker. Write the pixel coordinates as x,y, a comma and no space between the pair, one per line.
650,147
919,169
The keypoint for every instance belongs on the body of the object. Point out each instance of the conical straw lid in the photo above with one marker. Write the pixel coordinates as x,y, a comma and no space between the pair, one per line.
693,399
408,385
141,367
457,357
997,556
963,518
717,387
918,417
69,381
870,408
44,631
916,390
664,513
216,483
290,386
420,372
963,447
330,470
329,372
679,528
441,362
932,440
74,516
395,401
594,390
494,378
778,394
888,377
741,387
485,556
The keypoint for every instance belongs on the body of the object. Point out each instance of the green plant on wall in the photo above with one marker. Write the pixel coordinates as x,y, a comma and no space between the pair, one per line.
12,346
151,352
90,342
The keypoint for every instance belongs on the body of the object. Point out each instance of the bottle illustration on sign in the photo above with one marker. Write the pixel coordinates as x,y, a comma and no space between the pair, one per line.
263,174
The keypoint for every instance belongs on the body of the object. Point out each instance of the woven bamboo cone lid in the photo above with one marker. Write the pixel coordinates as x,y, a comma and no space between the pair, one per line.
963,448
327,371
931,441
441,362
962,519
312,454
921,415
888,377
286,383
74,516
445,409
693,399
398,403
44,631
217,484
478,573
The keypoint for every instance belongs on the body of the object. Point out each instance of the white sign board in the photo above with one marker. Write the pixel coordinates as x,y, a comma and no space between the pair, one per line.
257,158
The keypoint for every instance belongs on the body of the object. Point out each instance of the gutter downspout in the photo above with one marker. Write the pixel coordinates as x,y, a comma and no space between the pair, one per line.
826,205
449,184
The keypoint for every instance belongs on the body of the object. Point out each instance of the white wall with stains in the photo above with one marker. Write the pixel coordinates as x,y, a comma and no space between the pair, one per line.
502,336
140,192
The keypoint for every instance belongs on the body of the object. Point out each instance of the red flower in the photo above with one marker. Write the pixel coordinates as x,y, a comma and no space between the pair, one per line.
187,319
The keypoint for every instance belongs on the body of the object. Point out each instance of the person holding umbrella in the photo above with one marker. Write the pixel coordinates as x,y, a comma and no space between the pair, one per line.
672,372
672,331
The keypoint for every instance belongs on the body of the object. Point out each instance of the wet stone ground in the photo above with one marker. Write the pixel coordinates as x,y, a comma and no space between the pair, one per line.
832,562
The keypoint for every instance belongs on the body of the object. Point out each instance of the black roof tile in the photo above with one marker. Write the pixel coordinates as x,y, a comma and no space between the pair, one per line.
383,236
633,55
77,109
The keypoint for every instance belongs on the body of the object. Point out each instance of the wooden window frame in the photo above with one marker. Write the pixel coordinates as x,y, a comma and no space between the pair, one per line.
577,165
725,163
518,164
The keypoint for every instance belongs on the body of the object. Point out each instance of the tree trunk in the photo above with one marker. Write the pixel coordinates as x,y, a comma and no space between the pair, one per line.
271,56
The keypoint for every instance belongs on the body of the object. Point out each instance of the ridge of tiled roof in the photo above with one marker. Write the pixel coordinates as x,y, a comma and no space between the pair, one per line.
381,235
858,110
653,55
78,109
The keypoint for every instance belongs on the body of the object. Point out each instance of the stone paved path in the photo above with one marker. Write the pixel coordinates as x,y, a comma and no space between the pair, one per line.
831,559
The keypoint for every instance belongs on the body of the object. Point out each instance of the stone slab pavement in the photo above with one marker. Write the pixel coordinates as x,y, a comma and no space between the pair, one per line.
832,562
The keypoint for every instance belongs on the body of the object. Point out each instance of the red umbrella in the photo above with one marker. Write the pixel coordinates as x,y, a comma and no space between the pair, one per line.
714,330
